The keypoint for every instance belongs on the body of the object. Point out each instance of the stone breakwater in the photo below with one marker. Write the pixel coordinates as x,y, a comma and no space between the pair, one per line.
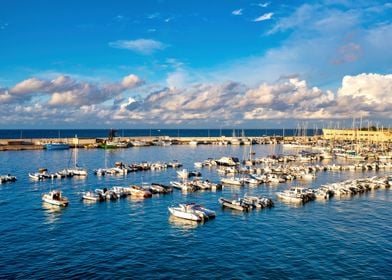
38,143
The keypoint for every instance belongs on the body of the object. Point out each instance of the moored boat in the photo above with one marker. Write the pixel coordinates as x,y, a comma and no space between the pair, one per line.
236,204
55,198
139,192
56,146
191,211
92,196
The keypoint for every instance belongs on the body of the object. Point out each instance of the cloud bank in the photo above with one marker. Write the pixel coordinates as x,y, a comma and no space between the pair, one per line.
64,100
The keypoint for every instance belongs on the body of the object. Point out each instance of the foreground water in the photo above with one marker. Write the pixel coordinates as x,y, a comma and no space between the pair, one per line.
340,238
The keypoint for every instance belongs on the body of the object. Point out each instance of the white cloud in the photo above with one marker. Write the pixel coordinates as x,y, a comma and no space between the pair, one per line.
219,104
131,81
141,46
64,90
26,86
263,5
237,12
264,17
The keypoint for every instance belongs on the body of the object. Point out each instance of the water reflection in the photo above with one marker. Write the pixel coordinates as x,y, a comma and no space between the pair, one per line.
183,223
52,212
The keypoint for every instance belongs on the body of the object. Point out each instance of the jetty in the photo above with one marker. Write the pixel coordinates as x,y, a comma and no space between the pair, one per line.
126,142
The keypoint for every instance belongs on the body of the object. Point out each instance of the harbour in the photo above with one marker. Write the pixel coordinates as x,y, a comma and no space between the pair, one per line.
321,237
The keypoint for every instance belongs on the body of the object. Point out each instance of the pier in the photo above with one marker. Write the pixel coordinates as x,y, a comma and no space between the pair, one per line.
38,143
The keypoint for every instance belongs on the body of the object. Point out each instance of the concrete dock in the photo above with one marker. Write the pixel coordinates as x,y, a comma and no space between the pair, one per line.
38,143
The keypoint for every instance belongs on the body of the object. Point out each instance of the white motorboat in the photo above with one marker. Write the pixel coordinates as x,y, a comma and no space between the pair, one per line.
237,204
78,171
92,196
191,211
184,186
55,198
233,181
296,195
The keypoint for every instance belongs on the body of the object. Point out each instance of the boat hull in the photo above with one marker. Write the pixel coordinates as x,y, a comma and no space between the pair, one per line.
184,215
56,146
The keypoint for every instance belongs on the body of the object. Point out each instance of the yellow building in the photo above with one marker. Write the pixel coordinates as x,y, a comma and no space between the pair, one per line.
355,134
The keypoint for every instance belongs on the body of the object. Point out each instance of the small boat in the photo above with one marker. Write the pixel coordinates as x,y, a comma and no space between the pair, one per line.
120,191
207,213
107,194
237,204
56,146
140,192
184,186
92,196
191,211
7,178
100,171
296,195
78,171
234,181
55,198
185,174
258,201
160,188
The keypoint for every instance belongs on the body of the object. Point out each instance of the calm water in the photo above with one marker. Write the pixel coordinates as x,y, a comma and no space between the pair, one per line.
93,133
341,238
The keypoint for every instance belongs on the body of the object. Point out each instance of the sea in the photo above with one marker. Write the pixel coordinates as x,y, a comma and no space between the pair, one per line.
340,238
96,133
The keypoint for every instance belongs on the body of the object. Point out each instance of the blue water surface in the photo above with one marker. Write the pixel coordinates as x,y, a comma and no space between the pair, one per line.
137,239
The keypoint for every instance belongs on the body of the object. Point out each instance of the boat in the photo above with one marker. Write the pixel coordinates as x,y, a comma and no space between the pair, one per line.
107,194
160,188
191,211
227,161
183,174
296,195
55,198
258,201
184,186
206,185
7,178
139,192
92,196
237,204
193,143
76,170
56,146
234,181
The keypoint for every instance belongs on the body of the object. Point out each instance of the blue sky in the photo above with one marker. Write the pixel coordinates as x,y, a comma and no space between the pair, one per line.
182,63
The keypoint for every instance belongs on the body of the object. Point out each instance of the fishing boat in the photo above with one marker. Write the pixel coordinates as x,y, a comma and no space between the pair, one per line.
55,198
237,204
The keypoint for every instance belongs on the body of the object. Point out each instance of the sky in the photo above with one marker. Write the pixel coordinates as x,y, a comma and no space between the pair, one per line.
194,64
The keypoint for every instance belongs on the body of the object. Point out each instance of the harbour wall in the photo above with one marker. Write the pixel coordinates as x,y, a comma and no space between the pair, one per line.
38,143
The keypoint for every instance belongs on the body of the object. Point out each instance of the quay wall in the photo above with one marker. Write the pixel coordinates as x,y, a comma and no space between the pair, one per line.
37,143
